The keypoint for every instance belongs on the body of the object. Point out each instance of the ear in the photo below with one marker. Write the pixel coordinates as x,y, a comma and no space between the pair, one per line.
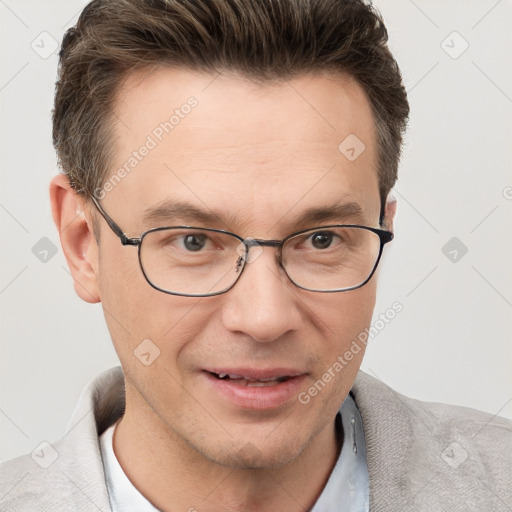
389,213
76,237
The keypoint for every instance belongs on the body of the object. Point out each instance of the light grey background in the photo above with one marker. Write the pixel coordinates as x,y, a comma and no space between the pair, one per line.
452,341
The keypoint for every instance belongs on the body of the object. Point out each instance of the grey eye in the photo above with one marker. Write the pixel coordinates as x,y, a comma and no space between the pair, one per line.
194,242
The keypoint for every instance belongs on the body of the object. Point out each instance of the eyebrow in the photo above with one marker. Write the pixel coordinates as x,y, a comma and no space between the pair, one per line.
169,211
174,210
334,213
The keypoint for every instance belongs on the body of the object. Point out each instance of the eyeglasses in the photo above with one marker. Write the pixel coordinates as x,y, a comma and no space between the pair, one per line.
202,262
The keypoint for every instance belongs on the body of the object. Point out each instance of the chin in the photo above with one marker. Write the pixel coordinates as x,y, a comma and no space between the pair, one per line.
251,455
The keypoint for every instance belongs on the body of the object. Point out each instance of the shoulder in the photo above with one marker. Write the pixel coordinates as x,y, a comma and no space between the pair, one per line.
433,454
67,474
37,481
481,428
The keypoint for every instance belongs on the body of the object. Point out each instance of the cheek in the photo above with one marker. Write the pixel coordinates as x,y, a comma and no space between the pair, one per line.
342,317
340,320
134,311
143,319
122,283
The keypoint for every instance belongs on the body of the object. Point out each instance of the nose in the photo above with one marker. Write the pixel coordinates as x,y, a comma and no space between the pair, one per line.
263,304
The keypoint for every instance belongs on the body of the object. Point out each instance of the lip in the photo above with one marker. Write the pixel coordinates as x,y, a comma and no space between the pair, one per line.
255,373
256,398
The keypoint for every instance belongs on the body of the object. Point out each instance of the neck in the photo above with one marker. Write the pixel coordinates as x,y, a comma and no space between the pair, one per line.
166,470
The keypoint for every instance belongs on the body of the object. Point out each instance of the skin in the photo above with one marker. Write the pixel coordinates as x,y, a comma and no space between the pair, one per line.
258,156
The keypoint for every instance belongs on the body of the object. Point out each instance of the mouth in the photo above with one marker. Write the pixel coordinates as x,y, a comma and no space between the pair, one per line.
255,389
249,381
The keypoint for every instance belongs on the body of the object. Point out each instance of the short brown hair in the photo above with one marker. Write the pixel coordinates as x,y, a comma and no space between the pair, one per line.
260,39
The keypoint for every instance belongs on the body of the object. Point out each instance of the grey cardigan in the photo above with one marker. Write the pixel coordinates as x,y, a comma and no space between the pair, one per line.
421,456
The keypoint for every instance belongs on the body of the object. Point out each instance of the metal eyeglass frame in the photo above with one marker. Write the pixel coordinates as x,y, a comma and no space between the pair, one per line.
384,237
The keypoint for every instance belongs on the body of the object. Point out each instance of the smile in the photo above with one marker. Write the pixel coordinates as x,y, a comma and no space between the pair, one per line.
250,382
255,389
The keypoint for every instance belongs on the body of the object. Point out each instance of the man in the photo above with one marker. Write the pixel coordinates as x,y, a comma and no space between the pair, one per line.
227,166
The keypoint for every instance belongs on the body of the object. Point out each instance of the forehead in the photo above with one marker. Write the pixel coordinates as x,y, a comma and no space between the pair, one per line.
251,153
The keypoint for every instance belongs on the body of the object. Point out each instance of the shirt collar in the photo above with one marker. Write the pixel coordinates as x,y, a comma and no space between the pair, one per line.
347,489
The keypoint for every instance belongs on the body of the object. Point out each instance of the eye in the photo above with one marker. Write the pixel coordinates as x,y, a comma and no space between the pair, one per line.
322,239
194,242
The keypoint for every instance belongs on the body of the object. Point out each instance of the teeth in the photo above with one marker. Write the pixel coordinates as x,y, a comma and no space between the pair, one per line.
258,383
251,382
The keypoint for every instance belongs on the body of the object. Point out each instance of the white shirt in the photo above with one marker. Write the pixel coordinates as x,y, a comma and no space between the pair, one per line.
347,489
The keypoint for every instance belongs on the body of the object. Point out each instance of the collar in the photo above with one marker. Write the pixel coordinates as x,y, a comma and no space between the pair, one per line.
347,489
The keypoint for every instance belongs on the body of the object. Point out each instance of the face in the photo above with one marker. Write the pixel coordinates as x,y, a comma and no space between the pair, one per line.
256,159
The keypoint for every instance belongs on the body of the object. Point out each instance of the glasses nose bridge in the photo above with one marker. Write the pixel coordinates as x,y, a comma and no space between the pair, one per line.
250,242
259,242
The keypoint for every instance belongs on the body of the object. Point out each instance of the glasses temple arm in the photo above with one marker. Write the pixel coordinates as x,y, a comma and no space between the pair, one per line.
125,240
